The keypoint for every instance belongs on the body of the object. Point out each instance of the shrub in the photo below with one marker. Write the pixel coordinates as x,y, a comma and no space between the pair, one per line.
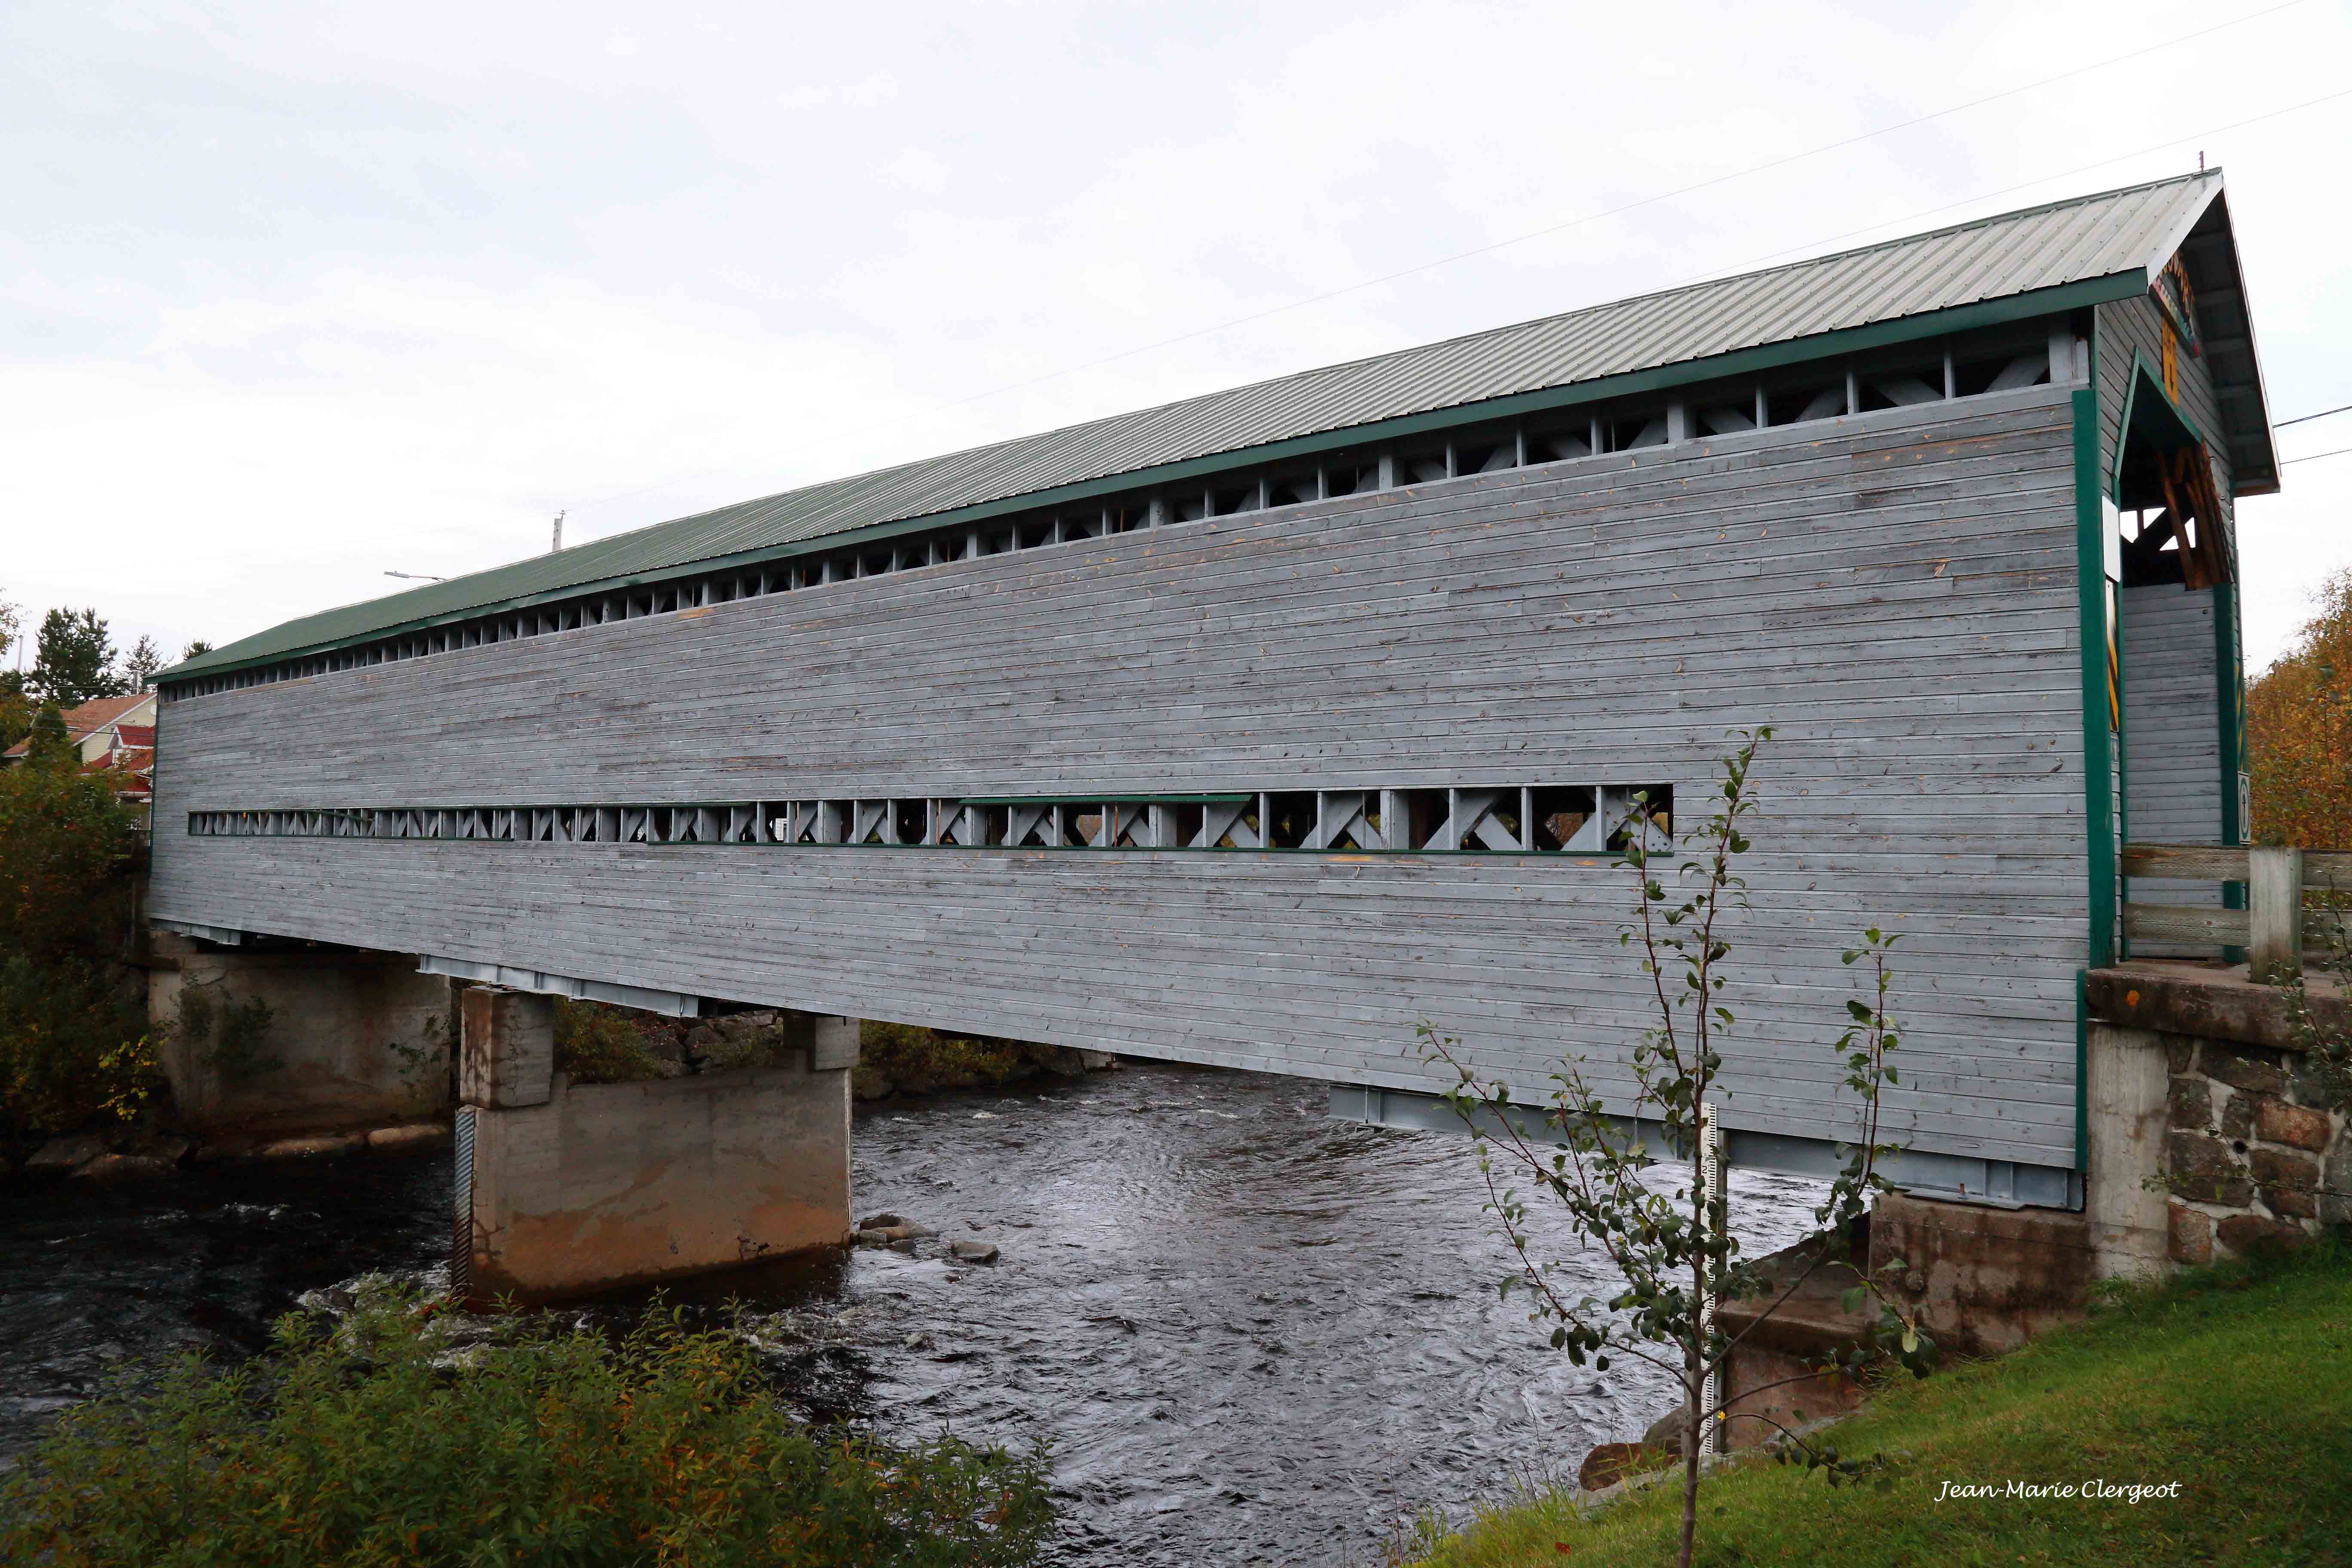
72,1045
596,1044
73,1049
367,1444
66,846
906,1055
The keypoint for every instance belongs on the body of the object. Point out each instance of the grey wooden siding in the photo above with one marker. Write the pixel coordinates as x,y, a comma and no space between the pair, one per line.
2172,738
1894,593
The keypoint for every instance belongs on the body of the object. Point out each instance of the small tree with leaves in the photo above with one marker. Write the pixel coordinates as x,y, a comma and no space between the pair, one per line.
1672,1246
2299,730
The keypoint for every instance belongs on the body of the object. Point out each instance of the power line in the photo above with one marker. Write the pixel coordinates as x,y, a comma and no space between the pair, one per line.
1560,227
2023,186
2305,418
2316,456
1617,211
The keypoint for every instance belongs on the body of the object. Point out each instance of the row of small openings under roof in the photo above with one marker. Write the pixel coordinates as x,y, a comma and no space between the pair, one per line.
1993,360
1459,820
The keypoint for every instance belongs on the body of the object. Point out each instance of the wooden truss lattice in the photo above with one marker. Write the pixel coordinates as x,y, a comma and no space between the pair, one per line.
1512,820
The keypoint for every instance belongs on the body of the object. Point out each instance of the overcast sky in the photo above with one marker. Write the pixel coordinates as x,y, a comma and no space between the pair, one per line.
291,295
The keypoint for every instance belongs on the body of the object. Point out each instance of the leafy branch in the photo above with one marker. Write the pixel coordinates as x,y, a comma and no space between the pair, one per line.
1672,1247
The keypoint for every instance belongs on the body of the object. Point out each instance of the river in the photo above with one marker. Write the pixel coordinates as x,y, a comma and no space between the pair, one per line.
1250,1332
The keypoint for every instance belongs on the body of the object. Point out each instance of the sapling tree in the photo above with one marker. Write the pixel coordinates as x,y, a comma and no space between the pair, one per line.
1671,1244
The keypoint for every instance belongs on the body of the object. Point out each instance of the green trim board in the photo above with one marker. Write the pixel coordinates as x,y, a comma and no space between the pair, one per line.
2083,1074
2142,370
1764,357
2230,695
2098,738
2229,705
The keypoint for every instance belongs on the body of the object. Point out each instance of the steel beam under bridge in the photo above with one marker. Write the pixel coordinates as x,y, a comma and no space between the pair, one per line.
2001,1183
669,1004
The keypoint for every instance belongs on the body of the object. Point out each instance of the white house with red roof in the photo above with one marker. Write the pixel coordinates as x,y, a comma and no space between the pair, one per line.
109,732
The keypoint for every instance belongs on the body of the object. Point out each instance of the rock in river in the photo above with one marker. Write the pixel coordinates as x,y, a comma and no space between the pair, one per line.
66,1154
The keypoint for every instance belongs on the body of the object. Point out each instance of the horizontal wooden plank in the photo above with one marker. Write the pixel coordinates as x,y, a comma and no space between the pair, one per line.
2186,862
2322,868
2177,922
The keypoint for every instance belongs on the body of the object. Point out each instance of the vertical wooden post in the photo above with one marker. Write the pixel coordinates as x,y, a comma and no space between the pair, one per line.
2274,913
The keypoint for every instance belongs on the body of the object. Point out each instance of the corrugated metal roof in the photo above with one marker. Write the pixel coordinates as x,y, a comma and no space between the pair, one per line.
2015,253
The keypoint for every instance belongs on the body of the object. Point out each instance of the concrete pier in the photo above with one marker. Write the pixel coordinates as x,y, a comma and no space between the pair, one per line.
298,1041
574,1188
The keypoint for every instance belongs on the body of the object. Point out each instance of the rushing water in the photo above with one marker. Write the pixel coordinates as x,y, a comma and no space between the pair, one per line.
1251,1333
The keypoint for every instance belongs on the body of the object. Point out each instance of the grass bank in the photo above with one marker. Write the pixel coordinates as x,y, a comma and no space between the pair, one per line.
2235,1384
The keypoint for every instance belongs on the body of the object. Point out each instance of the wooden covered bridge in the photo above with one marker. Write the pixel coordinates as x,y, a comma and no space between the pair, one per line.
1253,728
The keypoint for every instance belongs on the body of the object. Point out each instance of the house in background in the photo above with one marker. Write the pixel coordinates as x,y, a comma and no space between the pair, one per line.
111,732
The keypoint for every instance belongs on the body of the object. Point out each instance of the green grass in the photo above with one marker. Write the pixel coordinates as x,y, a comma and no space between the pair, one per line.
2235,1382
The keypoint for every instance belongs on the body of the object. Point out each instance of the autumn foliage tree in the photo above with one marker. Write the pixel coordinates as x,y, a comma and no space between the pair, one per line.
2299,731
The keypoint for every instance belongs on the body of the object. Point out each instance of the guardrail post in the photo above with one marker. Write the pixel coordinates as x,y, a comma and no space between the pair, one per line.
2274,913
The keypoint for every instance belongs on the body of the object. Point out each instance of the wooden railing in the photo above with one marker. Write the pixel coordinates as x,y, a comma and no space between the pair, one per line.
2277,918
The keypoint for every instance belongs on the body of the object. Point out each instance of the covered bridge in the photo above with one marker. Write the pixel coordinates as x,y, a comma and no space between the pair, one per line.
1253,728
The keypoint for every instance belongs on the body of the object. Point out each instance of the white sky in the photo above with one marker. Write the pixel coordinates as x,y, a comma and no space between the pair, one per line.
294,295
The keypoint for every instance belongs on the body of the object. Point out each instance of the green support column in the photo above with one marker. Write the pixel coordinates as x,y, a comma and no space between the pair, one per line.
2098,735
2098,738
2230,714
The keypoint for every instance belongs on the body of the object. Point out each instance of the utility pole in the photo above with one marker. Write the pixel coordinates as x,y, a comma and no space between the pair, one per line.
557,543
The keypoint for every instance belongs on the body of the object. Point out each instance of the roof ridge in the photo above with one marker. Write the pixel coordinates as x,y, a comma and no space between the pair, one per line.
1430,346
2018,252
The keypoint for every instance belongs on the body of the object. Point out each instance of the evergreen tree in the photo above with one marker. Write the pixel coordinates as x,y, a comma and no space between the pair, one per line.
73,661
194,648
139,666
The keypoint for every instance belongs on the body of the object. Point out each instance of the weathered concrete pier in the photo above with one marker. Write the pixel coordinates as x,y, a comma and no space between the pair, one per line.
570,1188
